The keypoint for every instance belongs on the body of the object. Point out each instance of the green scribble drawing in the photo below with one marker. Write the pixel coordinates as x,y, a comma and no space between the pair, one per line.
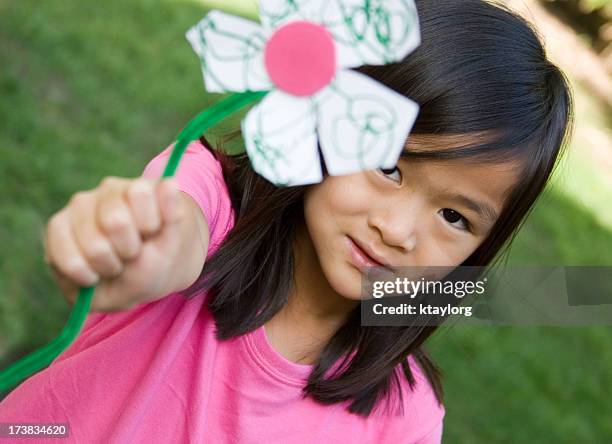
367,32
250,45
377,30
266,158
274,145
288,9
377,126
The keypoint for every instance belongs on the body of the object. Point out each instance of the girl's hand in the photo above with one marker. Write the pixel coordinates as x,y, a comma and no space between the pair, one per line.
136,239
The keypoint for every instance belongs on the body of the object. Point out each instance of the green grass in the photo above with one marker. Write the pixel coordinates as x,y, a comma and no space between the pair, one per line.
91,89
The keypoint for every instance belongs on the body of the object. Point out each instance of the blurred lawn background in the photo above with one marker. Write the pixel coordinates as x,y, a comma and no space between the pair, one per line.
91,89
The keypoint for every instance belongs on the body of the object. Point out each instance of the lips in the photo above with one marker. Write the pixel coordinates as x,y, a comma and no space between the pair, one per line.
360,256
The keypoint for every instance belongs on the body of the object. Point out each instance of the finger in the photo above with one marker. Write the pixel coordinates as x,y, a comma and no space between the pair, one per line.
64,254
170,201
114,219
143,206
94,245
68,288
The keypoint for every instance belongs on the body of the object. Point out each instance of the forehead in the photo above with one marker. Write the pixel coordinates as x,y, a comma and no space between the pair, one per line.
493,181
488,181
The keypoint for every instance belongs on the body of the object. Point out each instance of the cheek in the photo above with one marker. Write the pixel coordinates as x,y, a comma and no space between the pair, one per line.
333,209
449,252
336,205
340,196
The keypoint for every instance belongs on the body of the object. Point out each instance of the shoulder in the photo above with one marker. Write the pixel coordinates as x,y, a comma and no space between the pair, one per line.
200,175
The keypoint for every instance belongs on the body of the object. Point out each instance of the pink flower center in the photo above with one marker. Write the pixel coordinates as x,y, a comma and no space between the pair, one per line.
300,58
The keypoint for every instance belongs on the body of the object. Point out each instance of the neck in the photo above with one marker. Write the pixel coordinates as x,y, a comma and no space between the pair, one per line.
314,311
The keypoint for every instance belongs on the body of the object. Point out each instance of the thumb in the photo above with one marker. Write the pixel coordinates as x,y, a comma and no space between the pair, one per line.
169,198
172,209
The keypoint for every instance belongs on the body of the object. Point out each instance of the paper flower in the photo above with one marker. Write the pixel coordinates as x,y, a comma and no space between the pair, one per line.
302,52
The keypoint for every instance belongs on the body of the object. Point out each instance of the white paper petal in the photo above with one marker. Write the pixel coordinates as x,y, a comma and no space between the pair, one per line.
275,13
376,32
281,142
231,51
363,125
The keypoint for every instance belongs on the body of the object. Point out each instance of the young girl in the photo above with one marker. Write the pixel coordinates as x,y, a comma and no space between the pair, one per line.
228,311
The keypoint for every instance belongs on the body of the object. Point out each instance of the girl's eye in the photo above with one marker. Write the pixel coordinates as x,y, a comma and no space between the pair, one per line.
392,173
455,219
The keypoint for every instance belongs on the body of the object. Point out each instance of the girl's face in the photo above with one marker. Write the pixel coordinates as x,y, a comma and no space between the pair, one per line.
421,213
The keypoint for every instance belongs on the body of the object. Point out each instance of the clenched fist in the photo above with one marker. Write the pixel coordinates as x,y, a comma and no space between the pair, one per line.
136,239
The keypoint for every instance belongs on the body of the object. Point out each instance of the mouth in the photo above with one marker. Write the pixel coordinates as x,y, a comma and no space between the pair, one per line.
361,257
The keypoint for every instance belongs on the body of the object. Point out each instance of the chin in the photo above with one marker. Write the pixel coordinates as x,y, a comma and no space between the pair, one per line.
345,280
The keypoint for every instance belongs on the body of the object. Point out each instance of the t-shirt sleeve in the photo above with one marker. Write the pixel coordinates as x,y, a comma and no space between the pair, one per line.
199,174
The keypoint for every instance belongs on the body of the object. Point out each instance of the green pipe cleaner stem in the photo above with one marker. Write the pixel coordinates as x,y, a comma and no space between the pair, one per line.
41,358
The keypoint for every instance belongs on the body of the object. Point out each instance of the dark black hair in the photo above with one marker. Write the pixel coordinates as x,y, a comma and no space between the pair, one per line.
480,74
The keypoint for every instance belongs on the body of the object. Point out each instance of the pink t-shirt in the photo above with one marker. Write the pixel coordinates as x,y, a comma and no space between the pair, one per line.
156,373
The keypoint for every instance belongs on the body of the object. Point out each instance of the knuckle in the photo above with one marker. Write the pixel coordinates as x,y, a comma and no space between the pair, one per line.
98,250
133,252
55,222
79,198
115,221
109,181
139,188
75,268
54,230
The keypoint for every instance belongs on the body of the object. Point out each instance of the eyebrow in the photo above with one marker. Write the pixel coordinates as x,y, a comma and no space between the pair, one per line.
486,213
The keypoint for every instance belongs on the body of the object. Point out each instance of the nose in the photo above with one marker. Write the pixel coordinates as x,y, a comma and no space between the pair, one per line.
397,224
